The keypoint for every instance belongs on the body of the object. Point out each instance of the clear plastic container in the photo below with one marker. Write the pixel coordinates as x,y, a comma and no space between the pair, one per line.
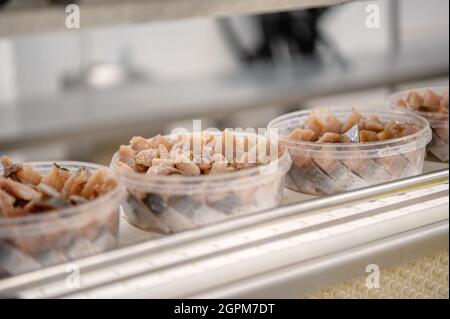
37,241
324,169
170,204
438,122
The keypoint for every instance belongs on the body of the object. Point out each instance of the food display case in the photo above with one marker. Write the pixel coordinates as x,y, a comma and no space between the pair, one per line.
322,245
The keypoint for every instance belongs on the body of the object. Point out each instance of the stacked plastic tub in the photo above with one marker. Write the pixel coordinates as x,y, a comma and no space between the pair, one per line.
432,104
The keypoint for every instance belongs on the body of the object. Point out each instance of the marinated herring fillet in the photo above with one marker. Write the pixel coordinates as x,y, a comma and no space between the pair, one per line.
438,147
321,180
340,173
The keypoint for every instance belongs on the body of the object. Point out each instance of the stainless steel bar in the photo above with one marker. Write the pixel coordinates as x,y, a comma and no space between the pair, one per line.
298,279
257,243
259,260
32,17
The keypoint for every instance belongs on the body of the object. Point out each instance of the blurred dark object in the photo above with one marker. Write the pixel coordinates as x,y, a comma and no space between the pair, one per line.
3,2
295,33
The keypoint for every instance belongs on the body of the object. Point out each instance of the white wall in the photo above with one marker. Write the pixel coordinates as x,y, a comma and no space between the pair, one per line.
187,49
42,60
346,25
170,50
7,73
424,20
419,21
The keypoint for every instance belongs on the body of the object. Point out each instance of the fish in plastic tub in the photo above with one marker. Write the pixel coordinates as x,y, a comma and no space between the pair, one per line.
52,213
432,104
172,187
334,150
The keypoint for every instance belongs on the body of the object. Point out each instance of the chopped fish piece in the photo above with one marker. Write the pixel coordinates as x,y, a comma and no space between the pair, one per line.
163,152
146,157
188,168
9,168
75,183
302,134
6,202
93,184
367,136
21,173
333,125
414,99
315,124
126,155
56,177
160,140
431,100
139,144
163,170
373,126
354,119
330,137
18,190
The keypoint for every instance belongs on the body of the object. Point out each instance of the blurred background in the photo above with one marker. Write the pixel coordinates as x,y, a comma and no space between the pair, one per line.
79,94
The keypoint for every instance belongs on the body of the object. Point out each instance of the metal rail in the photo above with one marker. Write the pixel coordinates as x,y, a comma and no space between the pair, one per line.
23,17
301,278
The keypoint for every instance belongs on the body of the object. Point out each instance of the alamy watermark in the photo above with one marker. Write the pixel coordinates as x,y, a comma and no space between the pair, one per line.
373,279
73,280
373,16
73,16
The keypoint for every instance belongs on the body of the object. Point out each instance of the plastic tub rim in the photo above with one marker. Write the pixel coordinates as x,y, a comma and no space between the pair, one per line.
389,147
